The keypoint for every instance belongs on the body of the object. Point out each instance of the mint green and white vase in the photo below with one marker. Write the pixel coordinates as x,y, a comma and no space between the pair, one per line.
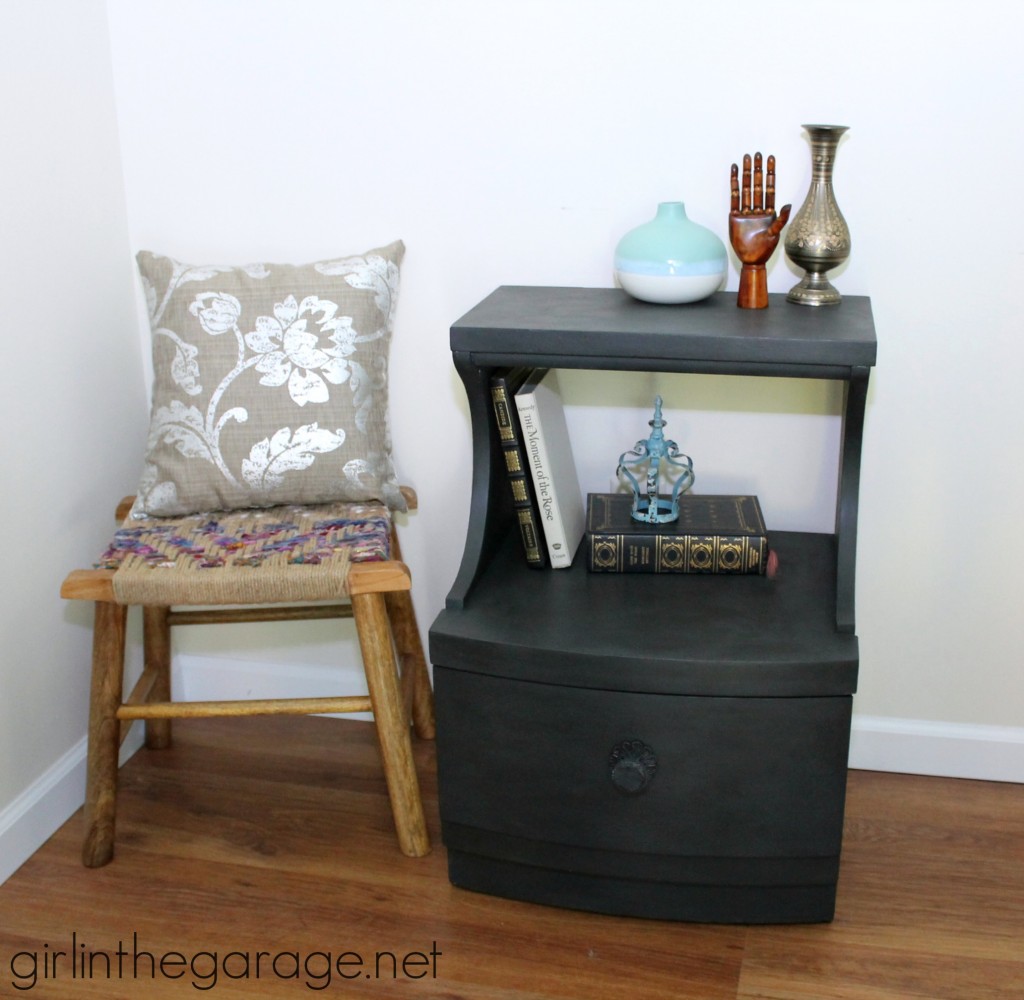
670,259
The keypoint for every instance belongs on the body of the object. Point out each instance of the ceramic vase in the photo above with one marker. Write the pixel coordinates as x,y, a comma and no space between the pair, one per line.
818,238
670,259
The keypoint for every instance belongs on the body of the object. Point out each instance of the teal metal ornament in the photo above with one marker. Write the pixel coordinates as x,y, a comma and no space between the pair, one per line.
652,453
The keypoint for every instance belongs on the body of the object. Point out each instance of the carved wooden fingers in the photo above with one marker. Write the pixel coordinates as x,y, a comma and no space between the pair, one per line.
754,227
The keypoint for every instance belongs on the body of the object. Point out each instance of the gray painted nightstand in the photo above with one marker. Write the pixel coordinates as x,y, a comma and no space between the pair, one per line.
577,767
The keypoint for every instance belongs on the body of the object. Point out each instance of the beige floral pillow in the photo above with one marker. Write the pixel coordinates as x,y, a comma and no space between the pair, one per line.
270,383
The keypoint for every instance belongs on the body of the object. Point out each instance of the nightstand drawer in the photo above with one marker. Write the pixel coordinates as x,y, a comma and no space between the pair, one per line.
654,774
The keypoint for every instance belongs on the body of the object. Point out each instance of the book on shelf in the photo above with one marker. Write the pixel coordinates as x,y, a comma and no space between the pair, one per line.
714,534
551,463
504,384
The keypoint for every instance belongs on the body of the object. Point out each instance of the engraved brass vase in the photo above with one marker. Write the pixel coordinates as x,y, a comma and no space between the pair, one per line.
818,238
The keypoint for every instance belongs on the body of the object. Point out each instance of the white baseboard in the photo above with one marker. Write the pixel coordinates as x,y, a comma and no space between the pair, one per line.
215,678
945,749
877,743
910,746
38,812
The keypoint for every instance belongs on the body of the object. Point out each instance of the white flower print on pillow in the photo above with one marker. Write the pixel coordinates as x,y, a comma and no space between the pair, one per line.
270,383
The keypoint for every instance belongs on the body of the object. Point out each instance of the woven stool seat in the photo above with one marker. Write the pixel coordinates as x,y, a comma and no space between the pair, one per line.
339,560
276,554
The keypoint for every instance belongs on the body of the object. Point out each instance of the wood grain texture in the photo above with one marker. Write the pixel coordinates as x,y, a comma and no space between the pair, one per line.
163,710
275,834
88,585
378,577
416,684
156,633
392,721
108,641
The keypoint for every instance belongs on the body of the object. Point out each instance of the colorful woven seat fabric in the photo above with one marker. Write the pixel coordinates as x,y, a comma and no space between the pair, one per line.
275,554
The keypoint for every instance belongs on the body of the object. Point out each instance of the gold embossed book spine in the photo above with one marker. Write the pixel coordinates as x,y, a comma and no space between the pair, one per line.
503,386
714,534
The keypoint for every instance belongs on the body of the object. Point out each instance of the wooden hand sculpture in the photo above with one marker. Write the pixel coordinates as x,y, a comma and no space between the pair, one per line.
754,229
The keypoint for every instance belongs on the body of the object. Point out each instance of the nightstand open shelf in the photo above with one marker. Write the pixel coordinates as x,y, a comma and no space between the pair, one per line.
700,635
733,694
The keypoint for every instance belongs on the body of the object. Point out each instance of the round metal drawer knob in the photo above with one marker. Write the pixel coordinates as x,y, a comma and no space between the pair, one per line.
632,764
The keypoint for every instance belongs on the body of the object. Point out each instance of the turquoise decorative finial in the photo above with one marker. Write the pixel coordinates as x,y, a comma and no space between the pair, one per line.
648,504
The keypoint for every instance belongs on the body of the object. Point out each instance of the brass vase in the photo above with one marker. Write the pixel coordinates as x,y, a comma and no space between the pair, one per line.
818,238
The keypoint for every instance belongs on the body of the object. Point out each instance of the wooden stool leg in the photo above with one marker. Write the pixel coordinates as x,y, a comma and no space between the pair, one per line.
156,639
415,676
379,662
104,733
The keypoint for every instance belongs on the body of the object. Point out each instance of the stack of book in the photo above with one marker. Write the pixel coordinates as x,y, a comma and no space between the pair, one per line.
713,534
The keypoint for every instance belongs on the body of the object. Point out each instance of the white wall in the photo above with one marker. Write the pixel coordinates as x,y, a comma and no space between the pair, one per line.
515,142
72,403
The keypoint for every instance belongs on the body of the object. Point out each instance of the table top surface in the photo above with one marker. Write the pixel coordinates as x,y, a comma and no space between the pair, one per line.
606,324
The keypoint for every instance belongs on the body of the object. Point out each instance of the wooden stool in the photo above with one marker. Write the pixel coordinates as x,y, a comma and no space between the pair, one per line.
274,561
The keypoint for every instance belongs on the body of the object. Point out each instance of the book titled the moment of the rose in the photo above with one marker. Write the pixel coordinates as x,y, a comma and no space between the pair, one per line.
714,534
549,453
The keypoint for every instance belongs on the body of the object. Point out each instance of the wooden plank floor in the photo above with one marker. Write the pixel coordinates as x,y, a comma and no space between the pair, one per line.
274,836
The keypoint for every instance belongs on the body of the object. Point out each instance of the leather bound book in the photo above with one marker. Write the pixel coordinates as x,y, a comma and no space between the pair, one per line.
504,384
714,534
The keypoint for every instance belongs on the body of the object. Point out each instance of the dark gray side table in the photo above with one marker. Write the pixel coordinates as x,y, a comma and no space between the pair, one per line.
696,774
